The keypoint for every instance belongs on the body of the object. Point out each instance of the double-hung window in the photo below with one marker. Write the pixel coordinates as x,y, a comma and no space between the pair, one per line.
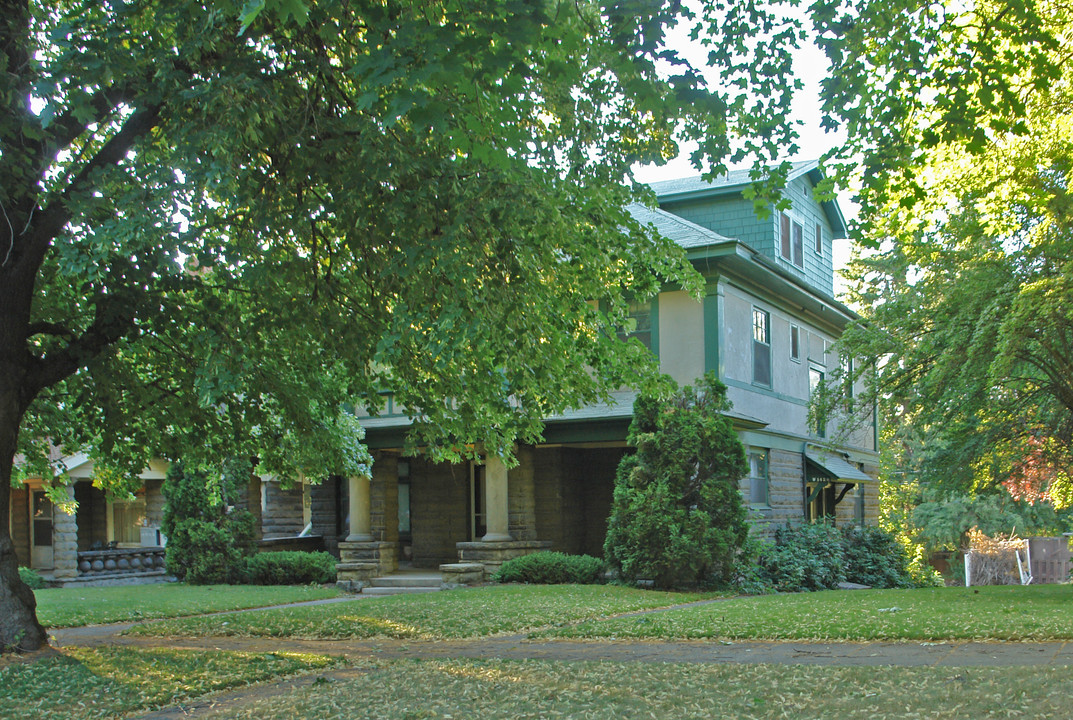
791,240
761,347
758,478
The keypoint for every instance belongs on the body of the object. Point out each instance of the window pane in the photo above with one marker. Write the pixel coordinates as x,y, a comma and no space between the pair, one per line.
127,521
784,234
640,323
761,347
819,239
758,478
760,326
795,342
799,253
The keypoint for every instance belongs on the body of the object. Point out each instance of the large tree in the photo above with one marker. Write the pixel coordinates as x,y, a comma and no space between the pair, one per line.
967,294
224,224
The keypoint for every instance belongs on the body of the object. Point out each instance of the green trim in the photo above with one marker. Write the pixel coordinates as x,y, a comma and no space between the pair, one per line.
654,323
713,316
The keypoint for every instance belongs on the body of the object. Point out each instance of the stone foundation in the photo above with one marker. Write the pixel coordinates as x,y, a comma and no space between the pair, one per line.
459,574
384,555
493,554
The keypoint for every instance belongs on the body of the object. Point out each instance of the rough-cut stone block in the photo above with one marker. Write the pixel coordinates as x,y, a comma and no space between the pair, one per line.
459,574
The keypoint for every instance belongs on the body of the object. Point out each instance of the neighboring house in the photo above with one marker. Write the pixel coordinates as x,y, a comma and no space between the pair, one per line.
766,325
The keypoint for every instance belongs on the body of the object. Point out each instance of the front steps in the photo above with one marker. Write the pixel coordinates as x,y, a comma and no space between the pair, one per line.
403,583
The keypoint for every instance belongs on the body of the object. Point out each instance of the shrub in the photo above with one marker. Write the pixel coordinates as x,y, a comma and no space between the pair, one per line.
290,568
804,557
32,579
206,543
677,517
551,568
874,557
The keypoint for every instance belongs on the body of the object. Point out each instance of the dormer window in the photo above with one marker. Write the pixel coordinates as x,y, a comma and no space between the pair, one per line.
792,240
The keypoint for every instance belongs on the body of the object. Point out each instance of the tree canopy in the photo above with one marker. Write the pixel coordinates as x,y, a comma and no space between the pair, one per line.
966,296
226,225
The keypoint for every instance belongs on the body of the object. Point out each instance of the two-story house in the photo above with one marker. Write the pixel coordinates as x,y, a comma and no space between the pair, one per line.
766,325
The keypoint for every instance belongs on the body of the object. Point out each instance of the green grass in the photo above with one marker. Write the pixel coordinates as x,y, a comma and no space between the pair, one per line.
1038,612
404,690
107,682
460,613
72,607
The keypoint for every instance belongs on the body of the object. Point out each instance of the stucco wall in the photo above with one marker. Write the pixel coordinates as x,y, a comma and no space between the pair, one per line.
681,336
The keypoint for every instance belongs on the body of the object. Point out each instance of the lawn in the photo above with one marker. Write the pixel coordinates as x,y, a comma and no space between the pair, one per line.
543,689
1037,612
71,607
107,682
464,613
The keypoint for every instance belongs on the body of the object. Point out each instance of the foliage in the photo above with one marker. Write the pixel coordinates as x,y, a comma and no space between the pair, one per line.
874,558
551,568
966,294
224,226
289,568
677,517
945,520
32,578
804,557
208,542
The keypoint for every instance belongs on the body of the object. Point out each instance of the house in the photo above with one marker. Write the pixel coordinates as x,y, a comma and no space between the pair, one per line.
766,325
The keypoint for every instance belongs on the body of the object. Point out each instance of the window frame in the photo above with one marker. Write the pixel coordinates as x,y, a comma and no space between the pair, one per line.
791,240
795,343
819,240
763,477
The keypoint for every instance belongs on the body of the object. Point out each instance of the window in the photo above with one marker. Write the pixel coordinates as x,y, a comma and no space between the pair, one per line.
639,324
128,516
819,239
791,240
858,505
799,242
478,491
761,347
815,383
403,472
795,343
847,383
758,478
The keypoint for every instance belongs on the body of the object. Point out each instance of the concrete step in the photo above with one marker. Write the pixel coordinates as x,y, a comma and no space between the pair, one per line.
373,590
406,581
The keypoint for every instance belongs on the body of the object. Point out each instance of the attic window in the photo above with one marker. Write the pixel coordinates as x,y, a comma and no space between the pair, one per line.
819,239
791,237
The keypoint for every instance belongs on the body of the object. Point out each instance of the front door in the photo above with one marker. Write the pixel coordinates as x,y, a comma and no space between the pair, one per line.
41,531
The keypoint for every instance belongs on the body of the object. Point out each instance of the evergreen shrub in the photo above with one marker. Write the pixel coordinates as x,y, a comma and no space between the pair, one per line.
804,557
677,518
875,558
290,568
551,568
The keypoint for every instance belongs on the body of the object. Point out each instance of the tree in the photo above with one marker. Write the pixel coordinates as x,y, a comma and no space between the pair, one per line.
677,517
223,224
966,299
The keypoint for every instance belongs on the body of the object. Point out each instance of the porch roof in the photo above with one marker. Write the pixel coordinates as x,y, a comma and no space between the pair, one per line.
835,468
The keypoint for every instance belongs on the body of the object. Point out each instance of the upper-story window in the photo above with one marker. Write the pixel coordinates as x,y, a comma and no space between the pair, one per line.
639,324
761,347
815,384
791,240
795,343
819,239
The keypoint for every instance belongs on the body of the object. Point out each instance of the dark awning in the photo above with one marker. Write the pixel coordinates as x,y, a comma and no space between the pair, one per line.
835,468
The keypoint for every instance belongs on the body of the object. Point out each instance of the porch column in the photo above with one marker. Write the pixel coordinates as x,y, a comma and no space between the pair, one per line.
360,510
495,477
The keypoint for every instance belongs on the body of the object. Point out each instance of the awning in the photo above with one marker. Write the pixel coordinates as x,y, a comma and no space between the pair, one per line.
835,468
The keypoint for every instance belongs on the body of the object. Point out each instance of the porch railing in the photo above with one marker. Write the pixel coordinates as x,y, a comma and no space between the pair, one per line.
126,561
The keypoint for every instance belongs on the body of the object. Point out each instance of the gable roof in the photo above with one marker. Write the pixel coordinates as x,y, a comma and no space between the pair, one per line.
734,181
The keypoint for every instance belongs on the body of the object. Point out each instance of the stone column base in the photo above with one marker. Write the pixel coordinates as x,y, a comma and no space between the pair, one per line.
384,555
493,554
